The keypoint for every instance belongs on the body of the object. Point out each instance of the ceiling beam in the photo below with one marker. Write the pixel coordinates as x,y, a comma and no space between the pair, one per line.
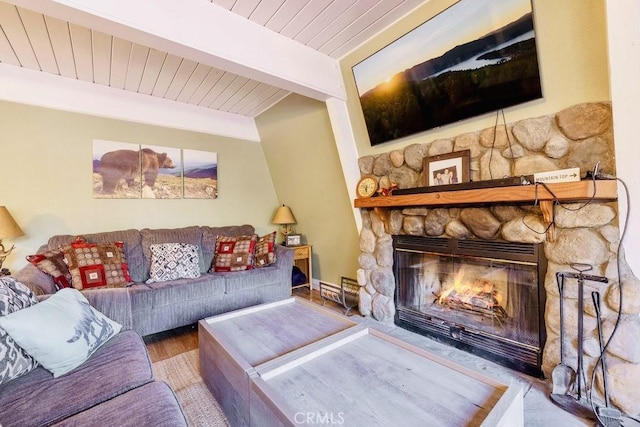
209,34
31,87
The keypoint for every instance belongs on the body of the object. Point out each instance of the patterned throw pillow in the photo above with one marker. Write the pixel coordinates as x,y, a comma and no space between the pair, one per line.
171,261
52,263
265,253
97,266
60,332
234,253
14,361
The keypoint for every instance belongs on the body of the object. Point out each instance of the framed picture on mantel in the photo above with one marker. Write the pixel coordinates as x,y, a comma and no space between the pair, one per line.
445,169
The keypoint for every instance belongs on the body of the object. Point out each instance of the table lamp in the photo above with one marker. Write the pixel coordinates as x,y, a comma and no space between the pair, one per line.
285,218
8,228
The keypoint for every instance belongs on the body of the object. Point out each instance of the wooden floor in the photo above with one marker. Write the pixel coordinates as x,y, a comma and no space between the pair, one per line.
180,340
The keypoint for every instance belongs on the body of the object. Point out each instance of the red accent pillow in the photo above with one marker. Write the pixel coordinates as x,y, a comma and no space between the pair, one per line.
234,253
52,263
265,253
97,266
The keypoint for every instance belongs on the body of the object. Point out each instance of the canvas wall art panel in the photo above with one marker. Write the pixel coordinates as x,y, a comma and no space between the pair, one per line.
200,176
116,170
161,169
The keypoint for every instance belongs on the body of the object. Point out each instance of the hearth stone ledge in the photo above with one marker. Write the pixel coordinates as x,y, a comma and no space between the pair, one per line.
578,136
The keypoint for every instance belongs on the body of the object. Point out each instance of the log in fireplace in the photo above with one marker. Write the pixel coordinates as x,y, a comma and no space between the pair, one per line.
485,297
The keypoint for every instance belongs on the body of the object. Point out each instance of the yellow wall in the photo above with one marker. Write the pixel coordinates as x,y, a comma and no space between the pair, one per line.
46,169
571,38
46,178
305,168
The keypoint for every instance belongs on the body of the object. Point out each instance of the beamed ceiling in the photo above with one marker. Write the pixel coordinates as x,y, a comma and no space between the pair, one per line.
230,59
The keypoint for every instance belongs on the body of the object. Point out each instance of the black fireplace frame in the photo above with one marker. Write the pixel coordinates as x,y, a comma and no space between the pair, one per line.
518,356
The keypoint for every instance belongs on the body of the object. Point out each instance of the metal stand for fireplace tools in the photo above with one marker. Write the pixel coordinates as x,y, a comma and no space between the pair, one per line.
578,405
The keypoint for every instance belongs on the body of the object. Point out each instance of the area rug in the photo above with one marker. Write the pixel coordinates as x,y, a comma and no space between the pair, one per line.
182,373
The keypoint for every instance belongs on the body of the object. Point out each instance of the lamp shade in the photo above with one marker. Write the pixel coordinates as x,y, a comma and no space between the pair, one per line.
8,226
283,216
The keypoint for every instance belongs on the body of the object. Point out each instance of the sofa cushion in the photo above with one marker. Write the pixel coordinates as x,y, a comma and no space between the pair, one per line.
265,253
61,332
52,263
14,361
94,265
234,253
210,235
163,307
177,292
191,235
132,248
38,398
40,283
171,261
235,282
153,404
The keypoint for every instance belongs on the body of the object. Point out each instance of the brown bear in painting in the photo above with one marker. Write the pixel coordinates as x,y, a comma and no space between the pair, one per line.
126,164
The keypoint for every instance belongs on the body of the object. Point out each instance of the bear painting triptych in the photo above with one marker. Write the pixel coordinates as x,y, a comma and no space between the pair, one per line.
130,171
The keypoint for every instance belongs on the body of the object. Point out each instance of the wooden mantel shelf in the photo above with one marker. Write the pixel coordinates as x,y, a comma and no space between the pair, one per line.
605,190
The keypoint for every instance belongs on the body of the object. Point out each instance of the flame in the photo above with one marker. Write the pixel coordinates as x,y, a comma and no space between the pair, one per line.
465,291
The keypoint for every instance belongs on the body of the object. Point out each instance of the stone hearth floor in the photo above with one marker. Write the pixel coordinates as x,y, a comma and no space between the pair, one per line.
539,410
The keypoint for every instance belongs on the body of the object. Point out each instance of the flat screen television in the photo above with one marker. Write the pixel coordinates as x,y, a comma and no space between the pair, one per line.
475,57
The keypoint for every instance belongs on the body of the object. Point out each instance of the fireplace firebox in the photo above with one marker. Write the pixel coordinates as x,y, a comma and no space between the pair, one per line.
485,297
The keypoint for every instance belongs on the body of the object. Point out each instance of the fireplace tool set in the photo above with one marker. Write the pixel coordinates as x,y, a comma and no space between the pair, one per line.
565,379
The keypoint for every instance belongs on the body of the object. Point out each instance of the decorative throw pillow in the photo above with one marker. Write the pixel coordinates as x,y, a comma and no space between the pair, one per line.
52,263
60,332
234,253
14,361
265,253
97,266
171,261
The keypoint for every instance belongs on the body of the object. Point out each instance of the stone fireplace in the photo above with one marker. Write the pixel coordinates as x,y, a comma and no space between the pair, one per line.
586,233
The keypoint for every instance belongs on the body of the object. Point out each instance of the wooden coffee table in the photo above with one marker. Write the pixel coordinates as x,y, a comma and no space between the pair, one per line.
232,345
293,362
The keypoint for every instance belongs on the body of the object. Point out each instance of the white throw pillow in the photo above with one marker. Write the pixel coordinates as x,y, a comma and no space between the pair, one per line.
61,332
171,261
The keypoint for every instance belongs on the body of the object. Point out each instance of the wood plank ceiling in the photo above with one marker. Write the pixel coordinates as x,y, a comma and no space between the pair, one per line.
51,45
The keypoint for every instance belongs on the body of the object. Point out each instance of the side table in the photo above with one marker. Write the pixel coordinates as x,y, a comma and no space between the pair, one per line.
302,260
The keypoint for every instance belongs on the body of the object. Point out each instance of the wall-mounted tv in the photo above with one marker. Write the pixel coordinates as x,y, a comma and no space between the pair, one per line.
474,57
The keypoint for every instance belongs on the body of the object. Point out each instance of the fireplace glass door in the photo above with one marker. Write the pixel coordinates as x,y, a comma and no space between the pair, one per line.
484,300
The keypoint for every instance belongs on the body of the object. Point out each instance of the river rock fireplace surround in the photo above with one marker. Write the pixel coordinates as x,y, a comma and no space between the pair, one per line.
578,232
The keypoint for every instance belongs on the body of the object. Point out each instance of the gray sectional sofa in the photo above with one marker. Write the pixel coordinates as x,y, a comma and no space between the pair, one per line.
115,386
157,307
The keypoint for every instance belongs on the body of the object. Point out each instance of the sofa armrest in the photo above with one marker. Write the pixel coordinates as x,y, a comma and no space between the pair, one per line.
40,283
284,262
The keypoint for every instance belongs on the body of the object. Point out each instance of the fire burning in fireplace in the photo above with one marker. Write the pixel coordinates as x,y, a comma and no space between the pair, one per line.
478,296
483,296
